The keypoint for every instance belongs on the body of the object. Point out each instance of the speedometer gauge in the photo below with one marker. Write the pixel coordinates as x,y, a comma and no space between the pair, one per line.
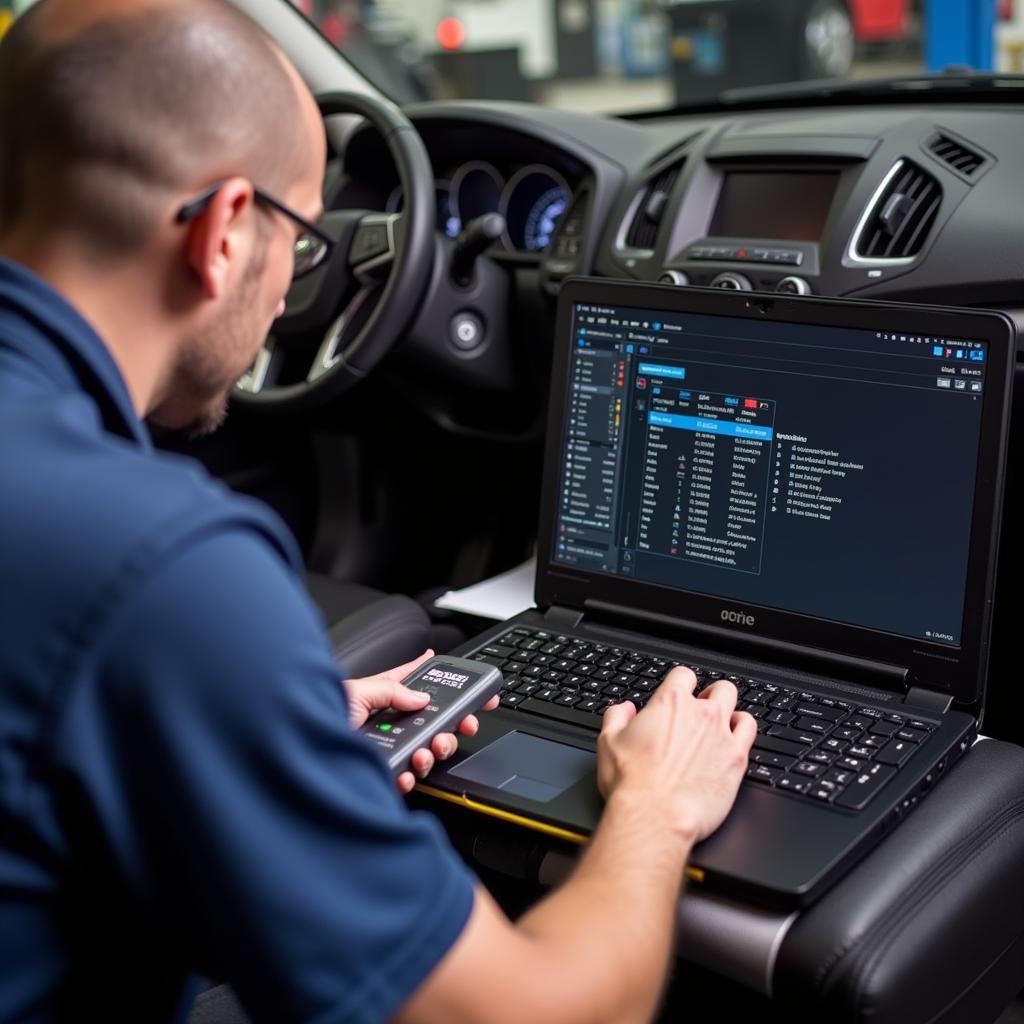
534,200
542,218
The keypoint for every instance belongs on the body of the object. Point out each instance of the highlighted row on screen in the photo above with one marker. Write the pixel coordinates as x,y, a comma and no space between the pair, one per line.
705,426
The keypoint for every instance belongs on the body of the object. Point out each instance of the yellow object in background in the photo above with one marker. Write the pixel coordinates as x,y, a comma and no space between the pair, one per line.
6,18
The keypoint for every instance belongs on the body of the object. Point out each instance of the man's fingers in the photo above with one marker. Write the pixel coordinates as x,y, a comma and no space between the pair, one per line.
422,761
744,727
617,717
491,704
393,675
680,679
444,744
399,672
721,692
681,676
469,725
402,698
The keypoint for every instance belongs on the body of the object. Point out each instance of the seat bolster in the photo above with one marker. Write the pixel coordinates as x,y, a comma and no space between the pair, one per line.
929,926
384,633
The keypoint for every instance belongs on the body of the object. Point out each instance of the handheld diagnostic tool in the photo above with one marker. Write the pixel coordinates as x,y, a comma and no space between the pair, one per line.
457,687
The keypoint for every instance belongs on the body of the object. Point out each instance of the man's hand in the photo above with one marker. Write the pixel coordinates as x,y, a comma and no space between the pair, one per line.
598,948
385,690
682,756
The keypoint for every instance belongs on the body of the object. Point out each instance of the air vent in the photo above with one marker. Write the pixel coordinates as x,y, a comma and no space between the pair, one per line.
900,216
650,207
956,154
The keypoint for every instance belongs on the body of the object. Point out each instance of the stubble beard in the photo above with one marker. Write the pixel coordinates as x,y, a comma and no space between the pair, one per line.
209,367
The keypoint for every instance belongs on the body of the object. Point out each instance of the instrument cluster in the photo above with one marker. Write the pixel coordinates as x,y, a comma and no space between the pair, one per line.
532,198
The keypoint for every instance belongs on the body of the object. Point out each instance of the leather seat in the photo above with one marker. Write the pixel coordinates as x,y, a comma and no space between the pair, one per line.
371,631
927,929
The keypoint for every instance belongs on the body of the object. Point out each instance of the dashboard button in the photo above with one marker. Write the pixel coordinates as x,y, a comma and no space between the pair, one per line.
790,256
371,240
558,268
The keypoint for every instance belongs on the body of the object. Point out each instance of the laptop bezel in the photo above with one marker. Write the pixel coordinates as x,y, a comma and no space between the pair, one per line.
958,672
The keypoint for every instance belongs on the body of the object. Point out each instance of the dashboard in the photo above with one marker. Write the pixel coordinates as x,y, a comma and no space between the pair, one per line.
916,203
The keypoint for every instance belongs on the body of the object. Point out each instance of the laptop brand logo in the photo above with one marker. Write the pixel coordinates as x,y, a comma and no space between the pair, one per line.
740,618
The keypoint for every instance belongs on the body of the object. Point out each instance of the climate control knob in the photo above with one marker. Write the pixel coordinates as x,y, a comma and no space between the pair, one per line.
676,277
732,282
793,286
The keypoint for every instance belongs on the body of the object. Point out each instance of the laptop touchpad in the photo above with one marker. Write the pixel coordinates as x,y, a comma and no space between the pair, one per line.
526,766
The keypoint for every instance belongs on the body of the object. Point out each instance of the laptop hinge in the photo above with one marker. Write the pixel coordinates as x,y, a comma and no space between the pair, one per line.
563,618
928,700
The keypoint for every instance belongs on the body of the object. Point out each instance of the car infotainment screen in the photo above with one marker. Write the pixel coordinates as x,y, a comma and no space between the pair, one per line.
758,204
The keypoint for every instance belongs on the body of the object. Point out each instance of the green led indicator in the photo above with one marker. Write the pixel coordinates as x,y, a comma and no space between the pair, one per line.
384,727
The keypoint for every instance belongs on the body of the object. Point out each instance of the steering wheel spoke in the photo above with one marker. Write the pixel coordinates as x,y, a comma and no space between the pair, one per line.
339,334
375,245
260,373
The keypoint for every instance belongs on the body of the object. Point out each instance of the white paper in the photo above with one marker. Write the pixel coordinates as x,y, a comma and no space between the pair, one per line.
499,598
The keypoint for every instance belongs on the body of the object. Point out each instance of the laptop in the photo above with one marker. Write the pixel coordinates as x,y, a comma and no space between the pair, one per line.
797,494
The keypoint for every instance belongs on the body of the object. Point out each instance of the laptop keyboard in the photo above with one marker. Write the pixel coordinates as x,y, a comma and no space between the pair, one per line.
818,748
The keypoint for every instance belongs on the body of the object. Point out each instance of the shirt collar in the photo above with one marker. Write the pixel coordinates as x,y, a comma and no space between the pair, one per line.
52,320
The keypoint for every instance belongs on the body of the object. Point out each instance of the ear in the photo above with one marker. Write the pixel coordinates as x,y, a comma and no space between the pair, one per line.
221,235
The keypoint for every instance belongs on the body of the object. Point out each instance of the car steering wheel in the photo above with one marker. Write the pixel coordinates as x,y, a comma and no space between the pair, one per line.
354,306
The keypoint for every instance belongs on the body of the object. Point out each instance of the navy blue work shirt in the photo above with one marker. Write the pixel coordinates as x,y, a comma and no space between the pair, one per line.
180,791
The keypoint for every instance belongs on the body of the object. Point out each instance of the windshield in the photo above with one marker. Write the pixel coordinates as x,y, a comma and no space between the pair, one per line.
618,56
630,56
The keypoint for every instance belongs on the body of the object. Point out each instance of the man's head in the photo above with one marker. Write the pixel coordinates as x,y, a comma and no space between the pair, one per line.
113,114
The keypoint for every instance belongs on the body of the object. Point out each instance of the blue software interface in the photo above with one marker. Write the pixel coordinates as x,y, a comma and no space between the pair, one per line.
825,471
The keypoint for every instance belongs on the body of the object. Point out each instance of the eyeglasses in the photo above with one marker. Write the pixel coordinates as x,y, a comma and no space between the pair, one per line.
312,247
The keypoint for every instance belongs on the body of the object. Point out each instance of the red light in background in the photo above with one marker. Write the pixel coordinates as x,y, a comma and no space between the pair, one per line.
451,33
333,28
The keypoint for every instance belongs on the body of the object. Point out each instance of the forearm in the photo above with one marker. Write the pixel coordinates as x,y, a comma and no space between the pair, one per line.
596,951
607,933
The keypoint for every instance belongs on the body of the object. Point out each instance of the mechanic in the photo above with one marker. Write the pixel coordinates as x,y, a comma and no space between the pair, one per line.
181,789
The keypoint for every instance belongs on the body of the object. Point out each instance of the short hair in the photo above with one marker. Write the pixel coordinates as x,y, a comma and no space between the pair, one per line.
100,125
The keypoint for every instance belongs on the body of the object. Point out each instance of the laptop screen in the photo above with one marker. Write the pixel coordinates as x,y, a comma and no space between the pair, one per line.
819,470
